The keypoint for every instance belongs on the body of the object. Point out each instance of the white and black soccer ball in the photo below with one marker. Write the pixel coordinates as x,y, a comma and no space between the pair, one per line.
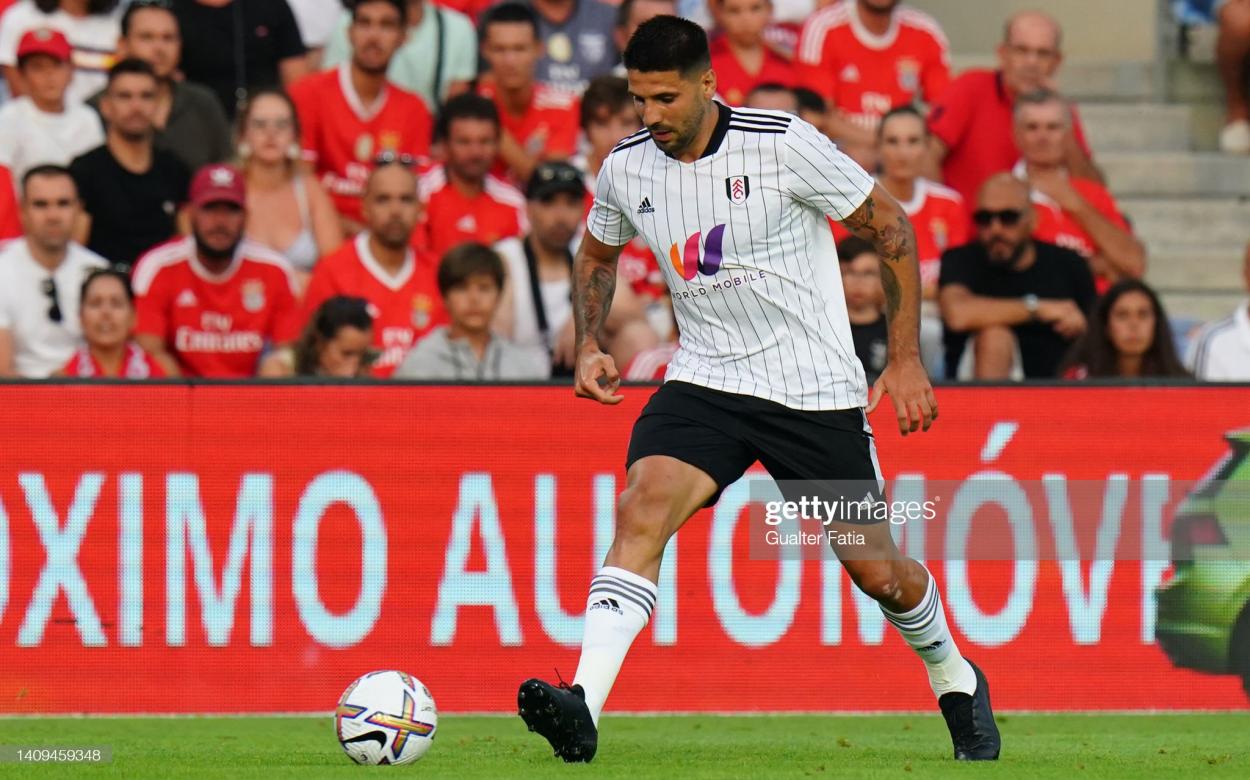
386,718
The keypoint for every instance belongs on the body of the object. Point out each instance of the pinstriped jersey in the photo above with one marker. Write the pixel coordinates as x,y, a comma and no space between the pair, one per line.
742,238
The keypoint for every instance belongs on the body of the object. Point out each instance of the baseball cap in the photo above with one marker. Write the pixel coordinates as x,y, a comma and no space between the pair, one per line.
218,184
44,40
550,178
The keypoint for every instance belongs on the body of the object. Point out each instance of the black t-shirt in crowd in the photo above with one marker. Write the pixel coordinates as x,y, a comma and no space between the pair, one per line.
210,38
130,212
1056,273
872,346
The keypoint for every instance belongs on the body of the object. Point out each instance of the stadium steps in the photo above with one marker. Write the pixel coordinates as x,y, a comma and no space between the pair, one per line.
1177,174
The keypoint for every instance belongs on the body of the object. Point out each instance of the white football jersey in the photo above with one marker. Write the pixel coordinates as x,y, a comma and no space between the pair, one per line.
742,237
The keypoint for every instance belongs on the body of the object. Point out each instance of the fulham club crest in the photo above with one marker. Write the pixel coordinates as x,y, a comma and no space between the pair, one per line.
738,188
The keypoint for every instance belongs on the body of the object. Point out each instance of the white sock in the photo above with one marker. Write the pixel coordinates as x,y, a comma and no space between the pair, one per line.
924,628
618,607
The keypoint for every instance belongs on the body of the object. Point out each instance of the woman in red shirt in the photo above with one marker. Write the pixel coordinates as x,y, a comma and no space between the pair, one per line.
107,314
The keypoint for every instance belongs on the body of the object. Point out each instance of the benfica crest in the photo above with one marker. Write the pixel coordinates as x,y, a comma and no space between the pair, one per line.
738,188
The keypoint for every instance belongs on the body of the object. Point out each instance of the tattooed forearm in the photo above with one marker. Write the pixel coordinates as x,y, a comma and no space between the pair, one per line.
593,288
895,240
881,221
893,292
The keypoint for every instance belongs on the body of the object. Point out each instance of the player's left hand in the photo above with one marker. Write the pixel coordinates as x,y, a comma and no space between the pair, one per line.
907,384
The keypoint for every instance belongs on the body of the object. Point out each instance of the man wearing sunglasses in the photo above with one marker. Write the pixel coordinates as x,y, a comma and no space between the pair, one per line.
1006,297
41,275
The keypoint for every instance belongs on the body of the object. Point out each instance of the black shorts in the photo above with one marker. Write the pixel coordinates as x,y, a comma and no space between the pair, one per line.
723,434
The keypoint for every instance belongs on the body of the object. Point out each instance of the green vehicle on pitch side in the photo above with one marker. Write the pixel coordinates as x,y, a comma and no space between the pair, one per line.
1203,619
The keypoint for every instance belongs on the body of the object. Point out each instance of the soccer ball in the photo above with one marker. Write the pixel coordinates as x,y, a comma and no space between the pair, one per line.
386,718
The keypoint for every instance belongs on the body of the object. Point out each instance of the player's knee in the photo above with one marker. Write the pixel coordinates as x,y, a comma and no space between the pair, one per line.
877,579
641,517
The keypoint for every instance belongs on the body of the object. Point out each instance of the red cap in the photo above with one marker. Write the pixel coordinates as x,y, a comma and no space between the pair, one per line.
218,184
44,41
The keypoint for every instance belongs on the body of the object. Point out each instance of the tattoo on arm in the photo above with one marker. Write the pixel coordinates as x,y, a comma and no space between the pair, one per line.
893,293
895,241
592,298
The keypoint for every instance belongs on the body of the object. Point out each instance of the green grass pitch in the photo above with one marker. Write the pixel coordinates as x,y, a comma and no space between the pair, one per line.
813,746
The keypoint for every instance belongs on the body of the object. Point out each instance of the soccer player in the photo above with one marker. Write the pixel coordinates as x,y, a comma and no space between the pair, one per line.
764,370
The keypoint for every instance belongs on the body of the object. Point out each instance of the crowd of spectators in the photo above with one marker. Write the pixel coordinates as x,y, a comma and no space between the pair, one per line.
396,188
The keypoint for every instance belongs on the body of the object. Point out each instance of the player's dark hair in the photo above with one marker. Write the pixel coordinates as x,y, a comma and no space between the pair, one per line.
508,13
48,170
399,5
131,66
1099,357
136,6
852,247
332,315
809,100
904,110
468,105
664,43
93,6
604,95
112,272
465,260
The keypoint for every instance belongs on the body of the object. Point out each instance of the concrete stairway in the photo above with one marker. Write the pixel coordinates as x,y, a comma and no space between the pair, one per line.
1190,207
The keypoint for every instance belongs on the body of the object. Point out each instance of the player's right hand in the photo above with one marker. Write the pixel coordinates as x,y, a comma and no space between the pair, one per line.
596,377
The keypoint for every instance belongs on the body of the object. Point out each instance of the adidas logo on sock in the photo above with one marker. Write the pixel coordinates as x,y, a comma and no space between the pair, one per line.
645,207
606,603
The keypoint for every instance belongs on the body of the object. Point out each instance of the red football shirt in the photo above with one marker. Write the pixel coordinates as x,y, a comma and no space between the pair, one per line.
866,75
734,83
548,127
342,136
405,307
973,118
1056,226
216,325
136,364
451,217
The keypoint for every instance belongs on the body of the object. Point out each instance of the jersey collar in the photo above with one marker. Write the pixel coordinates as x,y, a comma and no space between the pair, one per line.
371,264
865,36
718,135
363,113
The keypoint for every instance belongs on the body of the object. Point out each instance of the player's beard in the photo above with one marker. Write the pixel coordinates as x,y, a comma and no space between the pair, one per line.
685,136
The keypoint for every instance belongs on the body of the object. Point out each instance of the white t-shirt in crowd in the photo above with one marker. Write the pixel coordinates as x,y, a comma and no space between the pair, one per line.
93,38
40,345
316,20
1221,352
557,302
30,137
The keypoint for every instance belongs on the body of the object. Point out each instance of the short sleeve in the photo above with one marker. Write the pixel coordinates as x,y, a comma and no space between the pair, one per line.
150,303
951,113
937,71
10,223
815,172
287,40
461,48
811,69
10,21
607,221
304,96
